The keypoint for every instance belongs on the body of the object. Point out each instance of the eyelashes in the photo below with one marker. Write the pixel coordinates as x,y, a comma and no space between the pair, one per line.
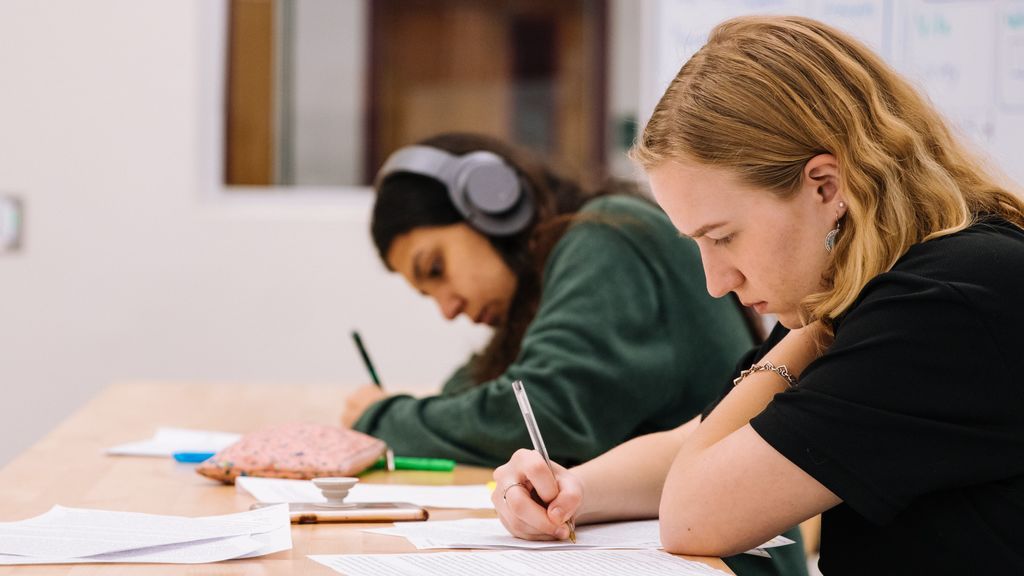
436,269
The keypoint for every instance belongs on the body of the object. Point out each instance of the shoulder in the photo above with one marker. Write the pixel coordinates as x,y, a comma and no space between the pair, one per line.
969,264
623,205
621,218
957,295
981,248
617,227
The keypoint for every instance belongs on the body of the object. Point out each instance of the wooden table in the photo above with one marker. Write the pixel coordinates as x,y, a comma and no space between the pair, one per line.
69,467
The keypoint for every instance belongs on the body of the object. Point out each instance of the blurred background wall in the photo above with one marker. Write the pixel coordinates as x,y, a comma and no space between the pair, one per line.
135,266
138,262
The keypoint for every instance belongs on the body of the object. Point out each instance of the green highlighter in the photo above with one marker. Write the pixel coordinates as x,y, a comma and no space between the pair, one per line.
413,463
431,464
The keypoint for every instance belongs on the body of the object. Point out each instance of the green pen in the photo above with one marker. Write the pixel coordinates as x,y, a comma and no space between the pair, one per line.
366,359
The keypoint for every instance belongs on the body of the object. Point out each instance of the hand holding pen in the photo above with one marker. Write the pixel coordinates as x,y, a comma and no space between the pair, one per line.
533,472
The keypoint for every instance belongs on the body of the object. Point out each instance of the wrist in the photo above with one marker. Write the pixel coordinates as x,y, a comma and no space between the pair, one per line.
796,351
585,512
780,370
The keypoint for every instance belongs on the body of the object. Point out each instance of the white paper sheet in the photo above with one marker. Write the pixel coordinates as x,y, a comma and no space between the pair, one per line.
779,540
167,441
488,533
202,551
762,550
518,563
281,490
277,540
65,535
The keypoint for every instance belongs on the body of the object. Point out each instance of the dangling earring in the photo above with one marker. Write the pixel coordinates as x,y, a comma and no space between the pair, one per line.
830,238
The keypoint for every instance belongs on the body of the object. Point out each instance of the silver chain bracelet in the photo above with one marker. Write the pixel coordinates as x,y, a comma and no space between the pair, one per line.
781,370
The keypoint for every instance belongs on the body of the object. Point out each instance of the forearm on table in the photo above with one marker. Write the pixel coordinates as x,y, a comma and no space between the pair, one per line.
747,400
626,481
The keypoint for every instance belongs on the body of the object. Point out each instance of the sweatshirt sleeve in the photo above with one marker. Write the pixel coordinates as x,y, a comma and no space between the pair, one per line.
594,360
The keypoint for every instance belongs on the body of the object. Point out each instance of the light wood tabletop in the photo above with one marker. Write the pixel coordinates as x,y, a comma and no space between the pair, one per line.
69,467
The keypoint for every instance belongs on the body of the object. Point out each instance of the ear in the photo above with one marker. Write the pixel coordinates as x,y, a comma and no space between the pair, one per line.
821,175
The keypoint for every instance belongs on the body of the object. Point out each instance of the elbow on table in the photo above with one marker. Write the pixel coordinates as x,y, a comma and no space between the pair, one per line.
686,534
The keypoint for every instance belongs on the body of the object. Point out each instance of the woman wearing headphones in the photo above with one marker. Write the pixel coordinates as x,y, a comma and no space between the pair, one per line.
821,187
595,302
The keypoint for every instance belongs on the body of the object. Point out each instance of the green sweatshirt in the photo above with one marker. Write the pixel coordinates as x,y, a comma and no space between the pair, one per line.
626,341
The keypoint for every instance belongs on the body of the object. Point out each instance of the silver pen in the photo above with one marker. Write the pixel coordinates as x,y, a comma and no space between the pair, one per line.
538,441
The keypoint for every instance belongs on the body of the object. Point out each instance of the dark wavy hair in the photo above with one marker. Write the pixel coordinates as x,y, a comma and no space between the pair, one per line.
406,201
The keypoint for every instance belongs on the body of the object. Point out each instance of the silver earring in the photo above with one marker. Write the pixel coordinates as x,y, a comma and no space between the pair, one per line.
830,238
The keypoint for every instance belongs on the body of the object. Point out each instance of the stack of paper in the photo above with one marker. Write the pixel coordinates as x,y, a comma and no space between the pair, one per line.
167,441
488,533
74,535
594,562
280,490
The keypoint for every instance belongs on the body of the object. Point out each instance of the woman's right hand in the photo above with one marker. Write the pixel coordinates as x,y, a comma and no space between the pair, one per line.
522,515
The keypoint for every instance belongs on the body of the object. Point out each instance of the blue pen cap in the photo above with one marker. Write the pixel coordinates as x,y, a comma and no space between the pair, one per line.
193,457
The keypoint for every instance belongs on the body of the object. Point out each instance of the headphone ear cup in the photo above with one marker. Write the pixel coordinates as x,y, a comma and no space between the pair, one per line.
492,188
484,188
491,195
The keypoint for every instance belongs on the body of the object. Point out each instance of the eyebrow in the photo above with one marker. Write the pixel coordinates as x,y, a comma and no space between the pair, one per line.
702,230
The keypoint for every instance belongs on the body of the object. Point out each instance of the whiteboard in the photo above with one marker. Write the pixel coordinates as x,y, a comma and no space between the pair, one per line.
967,56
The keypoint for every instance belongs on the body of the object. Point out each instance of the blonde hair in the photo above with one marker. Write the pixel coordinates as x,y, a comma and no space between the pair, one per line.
767,94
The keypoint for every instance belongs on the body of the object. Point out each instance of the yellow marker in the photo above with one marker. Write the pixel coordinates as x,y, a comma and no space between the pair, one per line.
492,485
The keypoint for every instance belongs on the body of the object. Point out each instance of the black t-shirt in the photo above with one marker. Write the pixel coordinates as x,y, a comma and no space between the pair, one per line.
914,416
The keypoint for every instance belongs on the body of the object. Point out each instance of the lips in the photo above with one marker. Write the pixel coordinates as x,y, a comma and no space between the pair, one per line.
759,306
484,316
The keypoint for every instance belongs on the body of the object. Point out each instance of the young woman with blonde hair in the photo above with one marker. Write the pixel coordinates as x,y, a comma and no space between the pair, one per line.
821,187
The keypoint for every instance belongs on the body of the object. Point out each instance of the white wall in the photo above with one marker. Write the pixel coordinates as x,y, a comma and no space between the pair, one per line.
133,267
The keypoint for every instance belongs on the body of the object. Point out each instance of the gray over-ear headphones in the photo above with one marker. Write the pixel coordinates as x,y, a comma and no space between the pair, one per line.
484,188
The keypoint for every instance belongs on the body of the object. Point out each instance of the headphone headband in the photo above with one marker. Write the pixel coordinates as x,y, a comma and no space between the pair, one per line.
484,188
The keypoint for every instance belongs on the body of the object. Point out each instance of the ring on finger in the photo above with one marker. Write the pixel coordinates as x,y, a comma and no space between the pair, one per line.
504,494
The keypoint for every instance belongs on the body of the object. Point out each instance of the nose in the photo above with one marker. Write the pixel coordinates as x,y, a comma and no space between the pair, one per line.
720,276
450,303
